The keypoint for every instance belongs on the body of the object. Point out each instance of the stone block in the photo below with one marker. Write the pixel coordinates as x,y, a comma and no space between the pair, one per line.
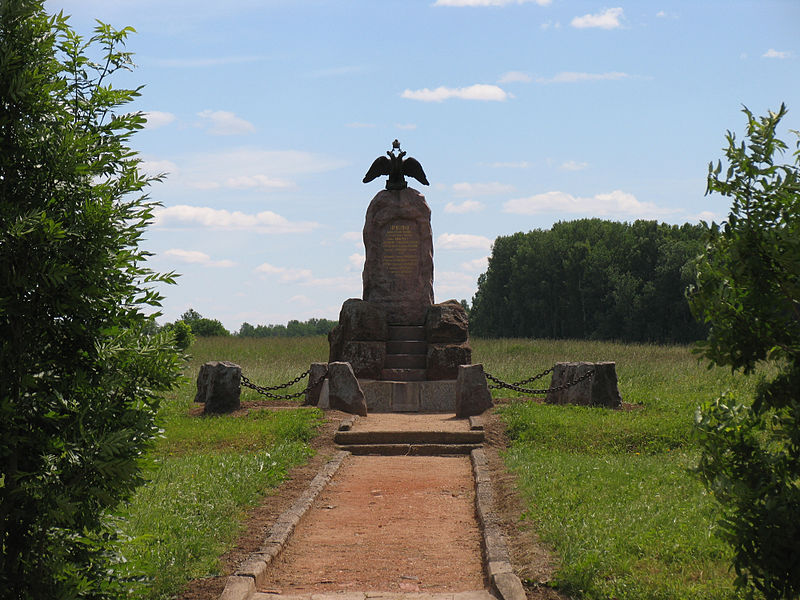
318,370
377,394
598,390
344,392
366,358
218,386
446,323
438,396
444,360
472,391
405,396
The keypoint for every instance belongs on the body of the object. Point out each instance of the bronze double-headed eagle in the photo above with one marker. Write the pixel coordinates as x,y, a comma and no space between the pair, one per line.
396,167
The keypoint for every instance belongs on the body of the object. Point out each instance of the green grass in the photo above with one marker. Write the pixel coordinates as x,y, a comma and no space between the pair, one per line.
206,471
612,491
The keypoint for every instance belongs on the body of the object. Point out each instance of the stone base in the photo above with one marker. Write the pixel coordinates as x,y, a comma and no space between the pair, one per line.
404,396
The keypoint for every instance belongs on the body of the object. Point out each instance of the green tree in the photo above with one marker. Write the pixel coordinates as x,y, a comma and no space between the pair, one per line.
201,326
748,290
81,377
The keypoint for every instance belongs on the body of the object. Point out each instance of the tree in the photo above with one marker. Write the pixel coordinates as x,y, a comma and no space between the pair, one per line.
748,291
81,377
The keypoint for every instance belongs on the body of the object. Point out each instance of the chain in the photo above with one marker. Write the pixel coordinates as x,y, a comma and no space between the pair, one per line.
535,377
516,387
265,391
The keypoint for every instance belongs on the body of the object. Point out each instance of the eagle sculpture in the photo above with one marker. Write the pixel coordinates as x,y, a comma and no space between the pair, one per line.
395,166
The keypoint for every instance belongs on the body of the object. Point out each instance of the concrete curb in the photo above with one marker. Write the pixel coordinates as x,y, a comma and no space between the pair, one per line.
498,563
250,574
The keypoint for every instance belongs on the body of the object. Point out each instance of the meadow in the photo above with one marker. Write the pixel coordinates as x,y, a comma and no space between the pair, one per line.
609,491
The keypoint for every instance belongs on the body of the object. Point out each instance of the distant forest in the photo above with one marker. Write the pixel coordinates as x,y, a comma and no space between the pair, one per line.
591,279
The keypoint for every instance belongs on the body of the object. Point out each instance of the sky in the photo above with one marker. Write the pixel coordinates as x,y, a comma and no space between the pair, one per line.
266,114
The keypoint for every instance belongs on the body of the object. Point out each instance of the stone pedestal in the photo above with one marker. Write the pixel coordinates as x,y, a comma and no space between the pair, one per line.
398,270
218,386
598,390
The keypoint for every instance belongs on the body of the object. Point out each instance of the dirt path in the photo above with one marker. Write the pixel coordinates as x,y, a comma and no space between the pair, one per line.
394,523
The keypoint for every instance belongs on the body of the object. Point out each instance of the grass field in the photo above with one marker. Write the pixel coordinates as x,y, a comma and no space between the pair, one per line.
610,491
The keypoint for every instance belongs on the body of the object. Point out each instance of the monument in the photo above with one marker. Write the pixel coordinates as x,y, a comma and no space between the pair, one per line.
404,349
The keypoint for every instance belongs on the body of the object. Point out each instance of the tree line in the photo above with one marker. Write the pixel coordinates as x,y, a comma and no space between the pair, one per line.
592,279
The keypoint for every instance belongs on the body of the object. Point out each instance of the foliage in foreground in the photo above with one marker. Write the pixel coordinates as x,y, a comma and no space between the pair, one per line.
80,380
748,290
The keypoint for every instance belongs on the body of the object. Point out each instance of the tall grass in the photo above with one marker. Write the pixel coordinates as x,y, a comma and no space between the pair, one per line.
206,471
612,491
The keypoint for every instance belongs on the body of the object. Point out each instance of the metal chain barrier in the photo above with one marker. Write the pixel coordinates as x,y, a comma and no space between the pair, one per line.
265,391
516,386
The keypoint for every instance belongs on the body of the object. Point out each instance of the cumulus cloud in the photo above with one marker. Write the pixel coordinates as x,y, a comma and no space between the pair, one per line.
514,77
482,189
463,241
256,181
223,122
305,277
154,167
488,2
608,19
352,236
478,265
772,53
454,284
614,203
184,216
479,91
575,77
465,207
197,257
572,165
356,261
157,118
284,273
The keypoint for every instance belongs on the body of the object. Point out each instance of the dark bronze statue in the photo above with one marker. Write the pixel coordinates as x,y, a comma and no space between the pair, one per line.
396,167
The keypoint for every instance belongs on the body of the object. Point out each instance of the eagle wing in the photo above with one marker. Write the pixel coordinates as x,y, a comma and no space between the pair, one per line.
412,168
380,166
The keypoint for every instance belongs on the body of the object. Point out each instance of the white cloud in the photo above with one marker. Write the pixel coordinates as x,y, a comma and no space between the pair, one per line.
453,284
197,257
482,189
574,77
548,24
157,118
356,262
284,274
465,207
514,77
572,165
487,2
706,216
407,126
301,300
463,241
256,181
661,14
479,91
223,122
184,216
608,19
352,236
772,53
157,167
478,265
614,203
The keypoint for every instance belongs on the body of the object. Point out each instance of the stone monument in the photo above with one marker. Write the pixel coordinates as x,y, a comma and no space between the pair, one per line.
404,349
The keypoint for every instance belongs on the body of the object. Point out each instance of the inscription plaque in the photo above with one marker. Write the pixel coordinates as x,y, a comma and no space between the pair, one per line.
401,249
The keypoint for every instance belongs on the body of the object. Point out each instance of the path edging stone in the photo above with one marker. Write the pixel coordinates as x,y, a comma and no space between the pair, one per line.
251,573
498,563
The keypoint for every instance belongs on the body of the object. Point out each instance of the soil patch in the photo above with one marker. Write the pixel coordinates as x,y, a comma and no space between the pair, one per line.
410,422
388,523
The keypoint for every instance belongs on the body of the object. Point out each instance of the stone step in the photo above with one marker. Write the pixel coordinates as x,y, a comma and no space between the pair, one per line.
406,347
361,438
407,332
406,361
410,449
403,374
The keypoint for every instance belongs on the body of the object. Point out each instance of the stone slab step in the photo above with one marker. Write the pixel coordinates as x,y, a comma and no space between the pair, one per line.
407,347
407,332
403,374
469,595
405,361
410,449
350,438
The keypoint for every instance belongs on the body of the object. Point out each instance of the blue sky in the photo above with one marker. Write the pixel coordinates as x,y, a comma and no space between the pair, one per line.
267,114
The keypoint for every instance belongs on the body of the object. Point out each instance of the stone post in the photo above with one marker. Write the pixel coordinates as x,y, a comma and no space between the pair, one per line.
598,390
218,386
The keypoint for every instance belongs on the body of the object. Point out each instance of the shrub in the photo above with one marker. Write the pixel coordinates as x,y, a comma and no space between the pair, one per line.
81,377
